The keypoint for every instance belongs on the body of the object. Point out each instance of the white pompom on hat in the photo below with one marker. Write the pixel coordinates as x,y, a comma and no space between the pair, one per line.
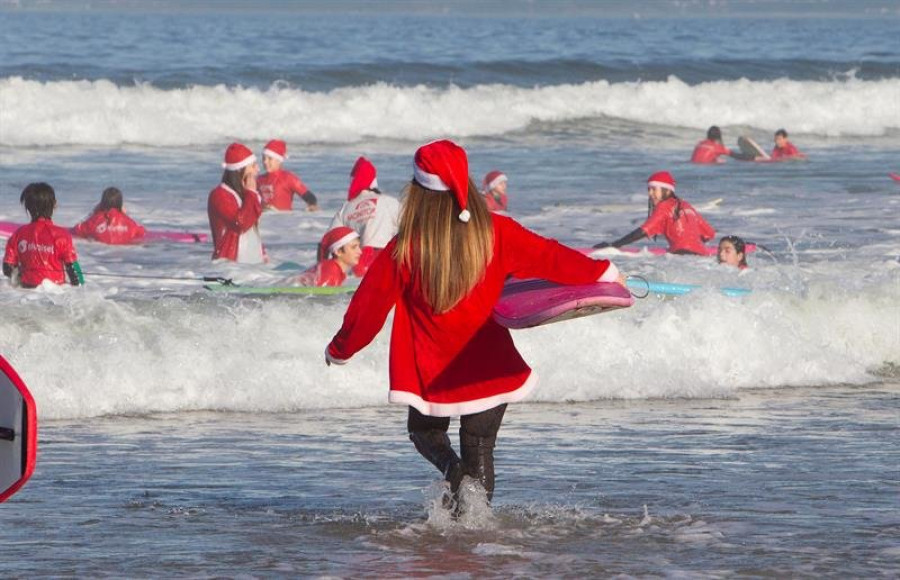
238,156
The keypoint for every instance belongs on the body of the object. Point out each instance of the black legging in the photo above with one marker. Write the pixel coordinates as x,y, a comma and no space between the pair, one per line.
484,424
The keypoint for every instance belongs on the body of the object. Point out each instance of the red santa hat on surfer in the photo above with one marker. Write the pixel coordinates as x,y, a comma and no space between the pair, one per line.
276,150
662,179
335,239
492,180
363,176
238,156
443,166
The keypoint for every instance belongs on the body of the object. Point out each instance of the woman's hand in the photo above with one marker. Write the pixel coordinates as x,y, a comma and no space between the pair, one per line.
249,180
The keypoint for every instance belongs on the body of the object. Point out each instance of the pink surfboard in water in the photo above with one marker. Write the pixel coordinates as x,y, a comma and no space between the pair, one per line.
8,228
528,303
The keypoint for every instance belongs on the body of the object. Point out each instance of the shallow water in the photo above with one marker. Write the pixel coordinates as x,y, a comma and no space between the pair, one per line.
755,485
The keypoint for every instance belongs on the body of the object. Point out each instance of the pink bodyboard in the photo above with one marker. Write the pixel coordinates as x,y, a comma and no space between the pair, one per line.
528,303
895,176
8,228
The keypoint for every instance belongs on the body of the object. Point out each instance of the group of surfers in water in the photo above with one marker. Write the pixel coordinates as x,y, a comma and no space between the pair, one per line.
364,225
441,271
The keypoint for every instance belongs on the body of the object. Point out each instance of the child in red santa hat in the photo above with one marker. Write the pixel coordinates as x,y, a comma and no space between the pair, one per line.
368,211
109,223
493,188
682,225
234,208
339,252
442,276
278,186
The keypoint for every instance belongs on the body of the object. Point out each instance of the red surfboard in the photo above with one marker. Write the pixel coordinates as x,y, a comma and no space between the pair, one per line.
18,432
895,176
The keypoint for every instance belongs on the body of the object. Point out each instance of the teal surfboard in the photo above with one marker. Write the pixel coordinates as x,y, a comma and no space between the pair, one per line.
303,290
673,289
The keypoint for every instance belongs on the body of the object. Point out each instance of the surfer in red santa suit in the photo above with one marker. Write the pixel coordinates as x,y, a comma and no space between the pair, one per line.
339,252
681,224
278,186
372,214
442,275
234,208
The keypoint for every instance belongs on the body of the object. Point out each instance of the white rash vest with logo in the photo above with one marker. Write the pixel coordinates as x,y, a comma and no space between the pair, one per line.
374,216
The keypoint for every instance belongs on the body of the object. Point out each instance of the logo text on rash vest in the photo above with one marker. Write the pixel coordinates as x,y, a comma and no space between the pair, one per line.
363,212
26,246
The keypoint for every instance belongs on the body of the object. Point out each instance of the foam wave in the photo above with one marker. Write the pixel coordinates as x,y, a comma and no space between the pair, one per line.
100,113
83,354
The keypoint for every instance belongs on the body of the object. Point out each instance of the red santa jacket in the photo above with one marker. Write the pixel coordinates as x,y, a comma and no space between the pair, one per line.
233,221
685,232
40,250
459,362
495,204
278,188
709,151
327,273
110,227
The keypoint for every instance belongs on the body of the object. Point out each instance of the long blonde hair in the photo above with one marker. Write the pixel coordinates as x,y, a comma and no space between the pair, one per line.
448,256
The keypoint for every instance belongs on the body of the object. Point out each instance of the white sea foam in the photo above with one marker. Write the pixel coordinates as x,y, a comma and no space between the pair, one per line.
100,113
86,354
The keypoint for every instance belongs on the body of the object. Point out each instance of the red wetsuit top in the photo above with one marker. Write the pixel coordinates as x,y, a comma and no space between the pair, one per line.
233,221
684,234
40,250
786,152
459,362
709,151
327,273
495,204
278,188
110,227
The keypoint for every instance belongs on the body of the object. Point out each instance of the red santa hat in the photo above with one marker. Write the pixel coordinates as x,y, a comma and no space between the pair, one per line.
443,166
363,177
238,156
492,180
276,150
662,179
335,239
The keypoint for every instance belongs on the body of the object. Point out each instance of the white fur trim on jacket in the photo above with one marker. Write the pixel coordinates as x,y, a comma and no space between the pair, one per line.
463,407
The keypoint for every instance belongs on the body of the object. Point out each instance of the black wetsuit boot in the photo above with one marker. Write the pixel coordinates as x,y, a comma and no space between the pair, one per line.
434,445
478,459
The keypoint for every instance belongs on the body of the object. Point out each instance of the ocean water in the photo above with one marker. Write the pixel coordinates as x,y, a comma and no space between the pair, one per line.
186,433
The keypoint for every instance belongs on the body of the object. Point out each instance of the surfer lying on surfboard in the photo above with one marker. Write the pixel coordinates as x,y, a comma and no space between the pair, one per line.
681,224
108,223
442,275
711,149
339,252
